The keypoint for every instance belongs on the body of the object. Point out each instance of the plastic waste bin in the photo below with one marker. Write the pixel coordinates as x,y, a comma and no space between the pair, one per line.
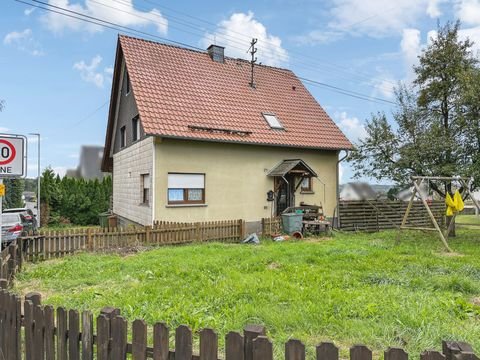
292,222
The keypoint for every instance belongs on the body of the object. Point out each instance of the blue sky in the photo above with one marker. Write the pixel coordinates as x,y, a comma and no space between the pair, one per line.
55,71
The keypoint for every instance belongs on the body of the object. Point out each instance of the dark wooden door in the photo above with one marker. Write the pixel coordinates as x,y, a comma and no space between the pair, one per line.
285,195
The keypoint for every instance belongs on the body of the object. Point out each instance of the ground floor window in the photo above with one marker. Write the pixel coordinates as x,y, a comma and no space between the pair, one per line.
186,188
145,180
306,184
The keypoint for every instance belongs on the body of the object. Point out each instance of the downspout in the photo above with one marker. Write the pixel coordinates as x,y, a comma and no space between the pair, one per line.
152,181
338,186
288,190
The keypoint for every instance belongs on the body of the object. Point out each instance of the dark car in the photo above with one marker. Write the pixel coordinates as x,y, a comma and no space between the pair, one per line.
29,219
12,227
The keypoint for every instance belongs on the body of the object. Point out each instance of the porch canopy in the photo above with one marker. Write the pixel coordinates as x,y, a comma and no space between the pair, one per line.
293,167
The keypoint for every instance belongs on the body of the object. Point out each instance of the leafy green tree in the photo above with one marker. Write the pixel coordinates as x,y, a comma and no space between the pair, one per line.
75,201
436,122
13,193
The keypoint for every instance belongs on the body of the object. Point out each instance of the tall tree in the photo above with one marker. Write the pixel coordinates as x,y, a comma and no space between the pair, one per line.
13,193
436,130
434,122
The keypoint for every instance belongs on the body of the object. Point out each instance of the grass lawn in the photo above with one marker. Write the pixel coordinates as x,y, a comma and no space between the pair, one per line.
468,219
354,288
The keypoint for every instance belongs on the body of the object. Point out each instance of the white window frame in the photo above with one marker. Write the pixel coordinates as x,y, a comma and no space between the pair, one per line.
183,183
273,121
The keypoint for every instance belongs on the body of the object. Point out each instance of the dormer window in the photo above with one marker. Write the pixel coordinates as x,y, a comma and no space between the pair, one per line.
272,120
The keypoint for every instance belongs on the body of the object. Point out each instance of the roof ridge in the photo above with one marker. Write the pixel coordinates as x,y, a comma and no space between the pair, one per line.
200,51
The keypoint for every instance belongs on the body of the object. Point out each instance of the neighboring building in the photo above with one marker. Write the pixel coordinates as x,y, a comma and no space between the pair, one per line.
189,139
406,194
357,191
90,163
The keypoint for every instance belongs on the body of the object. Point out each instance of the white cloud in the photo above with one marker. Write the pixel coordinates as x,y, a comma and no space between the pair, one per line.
124,14
91,73
29,11
60,170
352,127
468,11
375,18
411,48
4,129
433,8
24,41
270,50
384,85
319,37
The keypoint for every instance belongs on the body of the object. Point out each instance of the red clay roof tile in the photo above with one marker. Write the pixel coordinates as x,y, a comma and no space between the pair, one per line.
175,88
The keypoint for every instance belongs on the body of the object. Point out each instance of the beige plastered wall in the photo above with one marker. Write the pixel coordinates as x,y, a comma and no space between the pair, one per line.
236,181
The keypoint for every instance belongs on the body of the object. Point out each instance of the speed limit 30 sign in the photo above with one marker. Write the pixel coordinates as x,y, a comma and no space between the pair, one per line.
12,156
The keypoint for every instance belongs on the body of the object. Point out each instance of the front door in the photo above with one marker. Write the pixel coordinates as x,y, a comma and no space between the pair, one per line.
285,193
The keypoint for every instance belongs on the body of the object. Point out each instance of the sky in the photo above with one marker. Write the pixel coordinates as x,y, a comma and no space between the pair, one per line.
56,71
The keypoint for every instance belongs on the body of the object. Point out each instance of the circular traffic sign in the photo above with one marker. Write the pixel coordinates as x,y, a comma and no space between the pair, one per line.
7,152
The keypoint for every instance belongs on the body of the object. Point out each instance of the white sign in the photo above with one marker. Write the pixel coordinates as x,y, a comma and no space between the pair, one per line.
12,156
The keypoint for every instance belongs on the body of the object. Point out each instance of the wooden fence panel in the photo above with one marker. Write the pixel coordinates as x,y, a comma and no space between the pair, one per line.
375,215
63,242
41,334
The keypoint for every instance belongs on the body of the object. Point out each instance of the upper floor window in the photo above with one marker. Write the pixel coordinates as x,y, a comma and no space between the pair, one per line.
135,128
123,137
127,83
272,120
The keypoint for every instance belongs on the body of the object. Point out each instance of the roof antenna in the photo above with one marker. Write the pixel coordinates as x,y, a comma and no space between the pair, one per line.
252,49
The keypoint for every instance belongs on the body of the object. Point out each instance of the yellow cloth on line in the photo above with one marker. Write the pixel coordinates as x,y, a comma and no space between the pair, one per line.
454,204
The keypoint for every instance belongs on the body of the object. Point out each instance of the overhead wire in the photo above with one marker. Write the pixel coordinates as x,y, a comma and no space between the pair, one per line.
111,25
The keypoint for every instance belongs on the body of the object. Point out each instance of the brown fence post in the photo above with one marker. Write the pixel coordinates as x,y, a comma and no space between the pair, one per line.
241,224
148,230
89,239
3,283
250,333
451,348
262,348
12,262
327,351
34,297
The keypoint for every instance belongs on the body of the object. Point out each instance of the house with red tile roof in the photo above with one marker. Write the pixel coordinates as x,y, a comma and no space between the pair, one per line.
190,138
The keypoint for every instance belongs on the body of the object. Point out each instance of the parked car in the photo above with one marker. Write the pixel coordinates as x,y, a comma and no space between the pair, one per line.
12,227
29,219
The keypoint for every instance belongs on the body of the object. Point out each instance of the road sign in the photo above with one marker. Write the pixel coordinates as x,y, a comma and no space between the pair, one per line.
12,156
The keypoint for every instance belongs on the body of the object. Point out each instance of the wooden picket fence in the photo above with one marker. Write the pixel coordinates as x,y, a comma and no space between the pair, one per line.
376,215
11,260
272,226
50,244
72,335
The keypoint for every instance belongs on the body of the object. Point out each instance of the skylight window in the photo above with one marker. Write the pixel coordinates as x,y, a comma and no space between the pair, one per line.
273,121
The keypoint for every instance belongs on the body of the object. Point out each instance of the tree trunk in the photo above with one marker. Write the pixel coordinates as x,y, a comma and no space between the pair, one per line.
452,231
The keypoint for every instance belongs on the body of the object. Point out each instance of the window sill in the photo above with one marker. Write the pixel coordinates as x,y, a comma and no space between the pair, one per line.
185,205
308,192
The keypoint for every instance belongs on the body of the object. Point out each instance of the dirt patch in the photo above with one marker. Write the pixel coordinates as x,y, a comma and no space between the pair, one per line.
274,266
127,251
476,301
449,254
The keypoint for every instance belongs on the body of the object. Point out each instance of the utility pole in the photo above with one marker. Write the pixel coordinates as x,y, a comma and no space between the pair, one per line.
252,49
38,178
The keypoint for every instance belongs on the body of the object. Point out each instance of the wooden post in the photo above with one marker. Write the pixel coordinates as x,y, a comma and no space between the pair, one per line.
250,333
148,233
34,297
407,212
89,239
434,221
3,284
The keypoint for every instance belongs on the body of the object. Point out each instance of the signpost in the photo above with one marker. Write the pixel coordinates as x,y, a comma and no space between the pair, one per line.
13,155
